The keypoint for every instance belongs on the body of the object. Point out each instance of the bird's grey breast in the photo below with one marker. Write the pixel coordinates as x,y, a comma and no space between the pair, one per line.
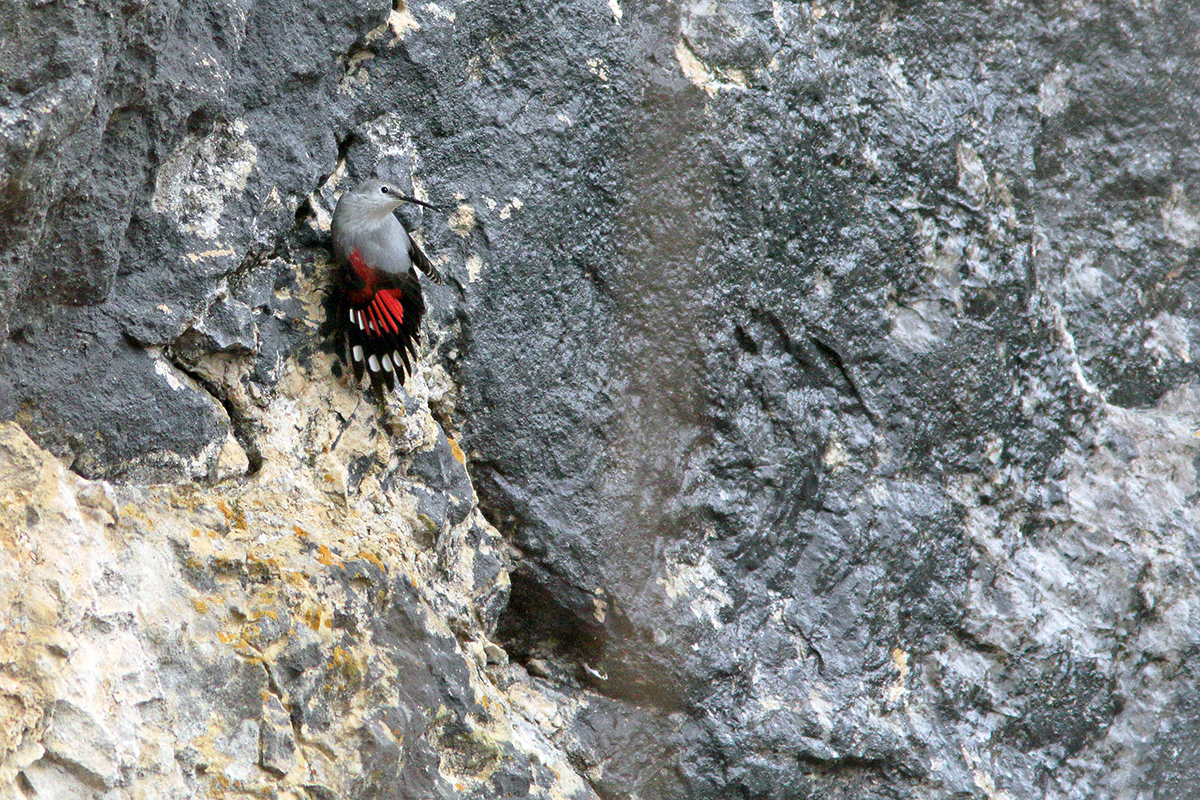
383,244
386,247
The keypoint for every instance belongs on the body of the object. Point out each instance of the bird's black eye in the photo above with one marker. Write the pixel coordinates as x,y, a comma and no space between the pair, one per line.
383,189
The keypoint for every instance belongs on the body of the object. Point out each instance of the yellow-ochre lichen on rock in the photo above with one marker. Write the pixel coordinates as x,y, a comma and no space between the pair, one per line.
317,628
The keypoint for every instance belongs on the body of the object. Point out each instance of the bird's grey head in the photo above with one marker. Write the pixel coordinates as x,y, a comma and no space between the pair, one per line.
375,198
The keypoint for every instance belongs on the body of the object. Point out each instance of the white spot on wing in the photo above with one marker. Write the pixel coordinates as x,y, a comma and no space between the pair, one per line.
357,352
387,363
373,362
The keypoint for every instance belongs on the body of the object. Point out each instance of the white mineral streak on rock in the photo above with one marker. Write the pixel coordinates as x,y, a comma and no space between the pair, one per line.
513,205
1180,220
462,219
699,73
921,327
894,71
699,586
822,709
987,784
1053,94
400,22
167,372
704,23
1169,338
897,689
1126,517
441,13
596,67
194,183
1067,342
972,175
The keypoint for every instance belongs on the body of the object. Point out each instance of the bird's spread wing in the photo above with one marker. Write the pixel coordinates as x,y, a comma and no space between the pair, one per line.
381,320
422,262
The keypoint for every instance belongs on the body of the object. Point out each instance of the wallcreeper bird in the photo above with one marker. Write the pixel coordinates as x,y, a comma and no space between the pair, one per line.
379,304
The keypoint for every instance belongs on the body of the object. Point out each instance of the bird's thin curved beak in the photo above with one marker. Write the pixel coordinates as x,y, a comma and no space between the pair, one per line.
419,202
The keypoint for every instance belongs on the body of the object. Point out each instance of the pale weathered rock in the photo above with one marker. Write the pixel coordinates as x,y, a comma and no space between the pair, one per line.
256,636
278,744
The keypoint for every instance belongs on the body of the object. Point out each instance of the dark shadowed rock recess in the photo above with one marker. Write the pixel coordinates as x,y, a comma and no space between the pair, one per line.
812,411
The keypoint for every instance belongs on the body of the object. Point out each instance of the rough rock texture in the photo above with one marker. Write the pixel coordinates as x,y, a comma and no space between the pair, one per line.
299,635
827,367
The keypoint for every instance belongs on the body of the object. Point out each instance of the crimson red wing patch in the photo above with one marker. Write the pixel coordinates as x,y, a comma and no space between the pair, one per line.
381,328
387,312
358,265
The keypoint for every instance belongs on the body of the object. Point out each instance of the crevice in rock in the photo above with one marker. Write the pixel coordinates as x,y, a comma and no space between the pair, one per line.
535,625
845,768
835,358
256,256
78,771
540,632
240,421
305,213
972,641
344,144
824,353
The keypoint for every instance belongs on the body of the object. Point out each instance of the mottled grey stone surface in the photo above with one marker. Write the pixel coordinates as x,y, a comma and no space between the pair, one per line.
829,366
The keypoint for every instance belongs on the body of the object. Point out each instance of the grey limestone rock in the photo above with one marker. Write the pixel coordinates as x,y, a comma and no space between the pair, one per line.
811,411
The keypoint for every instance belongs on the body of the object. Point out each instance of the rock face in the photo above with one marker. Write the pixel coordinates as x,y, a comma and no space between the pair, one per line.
824,371
288,636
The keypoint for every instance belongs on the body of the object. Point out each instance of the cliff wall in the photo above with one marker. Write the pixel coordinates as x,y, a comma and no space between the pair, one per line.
812,411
